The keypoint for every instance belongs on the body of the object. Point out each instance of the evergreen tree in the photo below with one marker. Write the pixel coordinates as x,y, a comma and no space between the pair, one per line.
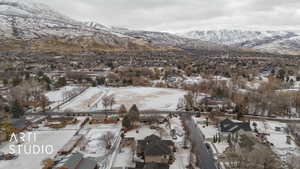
100,80
60,82
126,123
134,113
122,110
46,79
16,109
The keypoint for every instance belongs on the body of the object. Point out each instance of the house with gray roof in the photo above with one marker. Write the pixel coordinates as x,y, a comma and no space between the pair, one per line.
155,150
77,161
228,126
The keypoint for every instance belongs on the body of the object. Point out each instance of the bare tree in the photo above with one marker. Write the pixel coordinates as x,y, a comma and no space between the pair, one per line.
107,139
251,154
112,101
105,102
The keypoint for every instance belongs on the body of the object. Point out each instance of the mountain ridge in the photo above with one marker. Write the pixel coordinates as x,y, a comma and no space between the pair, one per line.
270,41
29,22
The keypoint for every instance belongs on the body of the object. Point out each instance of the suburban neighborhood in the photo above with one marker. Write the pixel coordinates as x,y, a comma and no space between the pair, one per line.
155,91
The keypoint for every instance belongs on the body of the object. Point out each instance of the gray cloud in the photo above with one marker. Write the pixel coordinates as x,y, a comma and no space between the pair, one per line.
184,15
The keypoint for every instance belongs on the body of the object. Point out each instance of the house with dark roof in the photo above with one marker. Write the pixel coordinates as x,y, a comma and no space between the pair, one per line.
155,150
156,166
77,161
140,165
228,126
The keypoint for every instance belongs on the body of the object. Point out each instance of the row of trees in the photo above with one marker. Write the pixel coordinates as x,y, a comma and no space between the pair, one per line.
108,101
268,99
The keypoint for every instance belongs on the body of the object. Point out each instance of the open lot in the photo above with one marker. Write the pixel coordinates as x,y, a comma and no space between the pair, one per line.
56,97
145,98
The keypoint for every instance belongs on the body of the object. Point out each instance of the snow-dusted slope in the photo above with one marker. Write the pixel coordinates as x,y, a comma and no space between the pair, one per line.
29,19
24,20
168,39
264,40
288,45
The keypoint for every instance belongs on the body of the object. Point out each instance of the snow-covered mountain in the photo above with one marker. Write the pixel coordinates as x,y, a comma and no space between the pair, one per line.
29,20
272,41
31,25
168,39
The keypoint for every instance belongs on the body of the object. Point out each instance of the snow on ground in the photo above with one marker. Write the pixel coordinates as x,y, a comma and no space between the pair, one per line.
278,138
297,84
253,84
209,132
56,96
86,100
95,144
124,158
57,139
182,157
221,147
176,124
143,132
193,80
146,98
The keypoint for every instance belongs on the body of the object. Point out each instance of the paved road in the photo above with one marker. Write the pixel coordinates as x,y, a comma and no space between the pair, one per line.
153,112
204,156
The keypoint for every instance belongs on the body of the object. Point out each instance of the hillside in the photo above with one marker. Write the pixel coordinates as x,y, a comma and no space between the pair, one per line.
26,24
283,42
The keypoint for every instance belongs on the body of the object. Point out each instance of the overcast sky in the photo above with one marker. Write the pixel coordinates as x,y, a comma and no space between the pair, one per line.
185,15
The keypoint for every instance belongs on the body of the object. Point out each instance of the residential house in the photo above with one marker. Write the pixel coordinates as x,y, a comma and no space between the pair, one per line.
228,126
155,150
77,161
156,166
140,165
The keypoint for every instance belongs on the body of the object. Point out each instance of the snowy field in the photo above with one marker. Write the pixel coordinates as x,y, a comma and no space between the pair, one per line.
56,96
57,139
146,98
